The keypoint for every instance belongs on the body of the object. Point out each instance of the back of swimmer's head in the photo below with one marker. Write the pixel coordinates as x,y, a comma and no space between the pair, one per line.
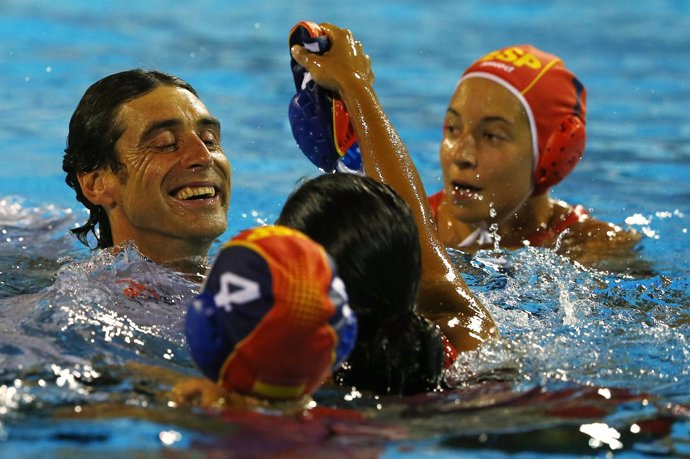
369,231
553,99
94,130
401,355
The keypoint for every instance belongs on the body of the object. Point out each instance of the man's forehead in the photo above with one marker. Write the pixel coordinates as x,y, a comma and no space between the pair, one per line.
162,103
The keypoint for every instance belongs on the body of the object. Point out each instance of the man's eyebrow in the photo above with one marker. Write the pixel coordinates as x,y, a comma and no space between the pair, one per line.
208,121
453,111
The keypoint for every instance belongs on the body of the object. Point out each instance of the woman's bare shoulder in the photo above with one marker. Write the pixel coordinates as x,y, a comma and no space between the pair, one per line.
590,240
595,233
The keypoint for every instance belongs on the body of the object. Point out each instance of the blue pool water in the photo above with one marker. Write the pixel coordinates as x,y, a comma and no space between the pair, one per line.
591,361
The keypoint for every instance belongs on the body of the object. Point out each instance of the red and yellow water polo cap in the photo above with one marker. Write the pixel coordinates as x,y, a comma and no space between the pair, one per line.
555,103
273,318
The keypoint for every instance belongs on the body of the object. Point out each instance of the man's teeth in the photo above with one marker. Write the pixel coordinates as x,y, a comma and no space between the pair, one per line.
189,192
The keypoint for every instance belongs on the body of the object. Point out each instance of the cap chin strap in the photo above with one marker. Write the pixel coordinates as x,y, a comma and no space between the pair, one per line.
483,235
480,236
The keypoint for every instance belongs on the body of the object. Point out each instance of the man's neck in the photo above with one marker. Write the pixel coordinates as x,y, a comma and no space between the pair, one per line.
189,258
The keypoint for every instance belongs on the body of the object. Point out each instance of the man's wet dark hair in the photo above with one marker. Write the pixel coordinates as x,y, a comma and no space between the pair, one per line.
93,131
370,233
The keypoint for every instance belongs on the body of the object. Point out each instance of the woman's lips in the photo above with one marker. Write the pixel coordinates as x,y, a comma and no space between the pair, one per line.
464,191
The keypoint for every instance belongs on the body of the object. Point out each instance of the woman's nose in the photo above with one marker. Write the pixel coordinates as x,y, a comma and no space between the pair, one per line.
465,152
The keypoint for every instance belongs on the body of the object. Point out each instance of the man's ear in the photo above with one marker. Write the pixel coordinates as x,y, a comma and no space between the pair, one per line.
99,187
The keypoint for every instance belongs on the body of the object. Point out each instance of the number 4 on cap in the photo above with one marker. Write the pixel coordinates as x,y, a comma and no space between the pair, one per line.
245,290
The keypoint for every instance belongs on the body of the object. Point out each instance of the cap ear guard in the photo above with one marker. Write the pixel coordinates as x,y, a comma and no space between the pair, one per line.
206,338
561,153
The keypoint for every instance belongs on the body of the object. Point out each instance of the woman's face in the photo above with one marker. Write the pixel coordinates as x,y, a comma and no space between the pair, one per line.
486,152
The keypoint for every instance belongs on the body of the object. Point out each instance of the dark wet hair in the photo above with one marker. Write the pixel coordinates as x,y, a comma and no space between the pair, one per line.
370,233
93,131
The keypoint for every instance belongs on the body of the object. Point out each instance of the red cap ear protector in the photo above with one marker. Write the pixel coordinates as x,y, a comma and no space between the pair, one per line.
561,154
555,103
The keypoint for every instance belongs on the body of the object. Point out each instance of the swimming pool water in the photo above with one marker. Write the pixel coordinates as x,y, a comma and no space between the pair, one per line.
583,351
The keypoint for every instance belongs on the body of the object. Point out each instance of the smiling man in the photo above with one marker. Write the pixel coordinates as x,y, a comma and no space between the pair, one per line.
144,156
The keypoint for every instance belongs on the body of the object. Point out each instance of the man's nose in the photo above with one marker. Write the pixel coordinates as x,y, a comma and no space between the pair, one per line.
196,154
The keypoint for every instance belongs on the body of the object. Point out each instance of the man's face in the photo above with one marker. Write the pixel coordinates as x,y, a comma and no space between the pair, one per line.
174,189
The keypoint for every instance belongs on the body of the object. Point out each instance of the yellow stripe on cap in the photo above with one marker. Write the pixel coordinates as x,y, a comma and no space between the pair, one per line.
277,391
546,68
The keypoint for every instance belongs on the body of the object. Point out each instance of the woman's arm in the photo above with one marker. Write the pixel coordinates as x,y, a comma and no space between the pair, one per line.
444,296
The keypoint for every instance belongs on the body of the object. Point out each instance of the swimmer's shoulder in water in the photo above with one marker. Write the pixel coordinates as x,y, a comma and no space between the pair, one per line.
590,241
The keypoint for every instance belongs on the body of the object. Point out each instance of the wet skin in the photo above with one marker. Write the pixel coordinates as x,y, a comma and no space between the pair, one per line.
486,152
444,297
487,162
171,197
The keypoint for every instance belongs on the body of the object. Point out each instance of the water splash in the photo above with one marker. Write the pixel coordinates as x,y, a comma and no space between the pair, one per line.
67,347
561,321
34,243
114,307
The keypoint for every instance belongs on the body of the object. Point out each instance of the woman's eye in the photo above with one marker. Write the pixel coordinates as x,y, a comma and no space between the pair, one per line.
493,136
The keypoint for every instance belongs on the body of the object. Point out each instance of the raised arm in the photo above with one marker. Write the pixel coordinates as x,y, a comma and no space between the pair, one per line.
444,296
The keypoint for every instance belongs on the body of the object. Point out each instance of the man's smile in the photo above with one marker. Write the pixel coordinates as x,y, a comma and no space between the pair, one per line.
195,192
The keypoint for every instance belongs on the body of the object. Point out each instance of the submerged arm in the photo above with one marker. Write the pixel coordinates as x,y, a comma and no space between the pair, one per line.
444,296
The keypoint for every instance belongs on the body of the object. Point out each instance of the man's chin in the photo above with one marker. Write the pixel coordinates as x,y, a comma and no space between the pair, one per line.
202,233
209,233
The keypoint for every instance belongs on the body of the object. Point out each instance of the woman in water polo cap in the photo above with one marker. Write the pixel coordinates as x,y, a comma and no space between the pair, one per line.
514,128
271,323
274,319
499,177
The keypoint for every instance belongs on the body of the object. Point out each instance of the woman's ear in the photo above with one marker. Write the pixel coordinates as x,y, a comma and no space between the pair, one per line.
99,187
